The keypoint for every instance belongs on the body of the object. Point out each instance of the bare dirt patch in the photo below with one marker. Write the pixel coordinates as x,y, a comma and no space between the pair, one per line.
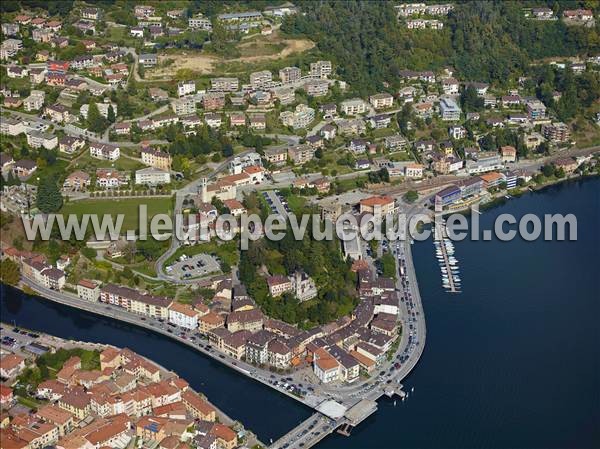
271,48
261,48
187,60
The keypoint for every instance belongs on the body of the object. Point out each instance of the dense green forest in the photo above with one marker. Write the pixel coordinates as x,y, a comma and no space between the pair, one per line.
321,260
484,40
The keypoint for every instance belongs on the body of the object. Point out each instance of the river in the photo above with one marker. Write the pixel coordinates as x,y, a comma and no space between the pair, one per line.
511,362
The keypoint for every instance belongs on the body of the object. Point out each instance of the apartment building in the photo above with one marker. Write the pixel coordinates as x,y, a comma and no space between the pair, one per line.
321,69
88,290
285,94
213,101
224,84
34,101
353,106
183,106
535,109
316,88
183,315
449,109
152,176
262,79
157,158
300,118
186,88
290,74
276,156
38,139
300,154
200,22
556,132
381,101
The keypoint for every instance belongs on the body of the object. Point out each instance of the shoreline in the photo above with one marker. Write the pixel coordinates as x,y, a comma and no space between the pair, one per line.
59,342
499,197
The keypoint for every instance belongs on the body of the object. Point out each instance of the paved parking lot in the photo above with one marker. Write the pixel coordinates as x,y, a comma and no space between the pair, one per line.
276,202
193,266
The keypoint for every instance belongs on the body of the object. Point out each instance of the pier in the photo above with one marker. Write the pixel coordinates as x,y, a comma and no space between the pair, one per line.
440,243
336,407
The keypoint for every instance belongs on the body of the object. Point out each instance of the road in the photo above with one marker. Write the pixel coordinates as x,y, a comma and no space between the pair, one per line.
187,337
317,427
443,180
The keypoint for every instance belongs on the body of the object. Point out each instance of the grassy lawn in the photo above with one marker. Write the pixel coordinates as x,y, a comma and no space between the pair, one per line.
348,184
296,203
116,34
86,162
56,170
28,402
129,208
49,364
399,156
383,132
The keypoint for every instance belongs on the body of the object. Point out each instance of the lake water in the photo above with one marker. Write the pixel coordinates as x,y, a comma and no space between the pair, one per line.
511,362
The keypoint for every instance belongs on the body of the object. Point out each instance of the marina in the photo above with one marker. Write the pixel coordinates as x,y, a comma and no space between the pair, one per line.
444,253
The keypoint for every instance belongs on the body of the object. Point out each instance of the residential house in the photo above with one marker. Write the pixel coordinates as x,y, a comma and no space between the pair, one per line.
76,181
104,151
38,139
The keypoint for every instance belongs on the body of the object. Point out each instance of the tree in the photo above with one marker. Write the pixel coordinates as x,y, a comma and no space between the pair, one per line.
388,265
411,196
469,99
54,251
227,150
548,170
111,114
488,142
49,199
219,205
10,273
96,122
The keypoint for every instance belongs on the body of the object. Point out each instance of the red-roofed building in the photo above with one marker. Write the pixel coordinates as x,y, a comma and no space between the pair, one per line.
378,205
6,396
11,365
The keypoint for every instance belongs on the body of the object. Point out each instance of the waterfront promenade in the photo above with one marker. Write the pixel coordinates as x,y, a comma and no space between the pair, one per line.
336,405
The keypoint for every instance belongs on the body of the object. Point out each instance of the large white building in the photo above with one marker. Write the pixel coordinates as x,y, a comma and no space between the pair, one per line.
301,118
261,79
152,176
353,106
186,88
200,22
289,74
88,290
184,106
183,315
449,109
